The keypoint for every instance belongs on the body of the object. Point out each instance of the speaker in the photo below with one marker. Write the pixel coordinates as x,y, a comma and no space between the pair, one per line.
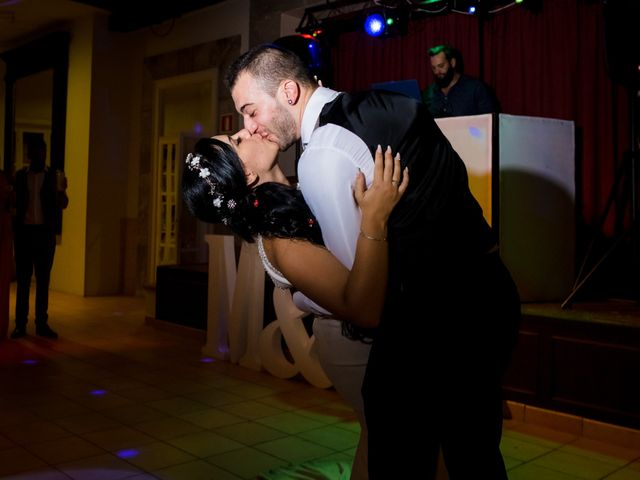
622,42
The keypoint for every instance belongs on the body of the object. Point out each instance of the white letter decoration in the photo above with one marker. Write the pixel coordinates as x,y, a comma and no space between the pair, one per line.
289,324
235,317
247,309
222,278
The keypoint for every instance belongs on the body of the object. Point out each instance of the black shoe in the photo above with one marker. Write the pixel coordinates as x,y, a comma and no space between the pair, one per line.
18,332
46,332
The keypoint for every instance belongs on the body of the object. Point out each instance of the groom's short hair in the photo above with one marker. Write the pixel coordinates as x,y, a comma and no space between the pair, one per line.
270,65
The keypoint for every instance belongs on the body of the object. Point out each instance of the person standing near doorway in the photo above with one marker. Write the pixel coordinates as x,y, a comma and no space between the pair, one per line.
40,197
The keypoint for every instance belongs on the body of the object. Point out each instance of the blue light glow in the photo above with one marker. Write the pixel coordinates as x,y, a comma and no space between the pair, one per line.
127,453
374,25
29,361
98,392
207,360
475,132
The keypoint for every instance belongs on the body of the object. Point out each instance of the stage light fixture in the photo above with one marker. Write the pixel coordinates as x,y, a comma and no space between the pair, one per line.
389,22
374,24
472,7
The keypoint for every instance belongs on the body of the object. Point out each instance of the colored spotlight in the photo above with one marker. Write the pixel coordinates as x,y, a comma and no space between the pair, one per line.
374,25
472,9
127,453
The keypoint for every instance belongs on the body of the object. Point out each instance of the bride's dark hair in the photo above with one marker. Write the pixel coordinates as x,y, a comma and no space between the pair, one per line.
216,191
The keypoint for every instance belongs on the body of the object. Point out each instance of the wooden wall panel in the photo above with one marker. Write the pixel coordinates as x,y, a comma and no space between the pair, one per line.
522,376
582,367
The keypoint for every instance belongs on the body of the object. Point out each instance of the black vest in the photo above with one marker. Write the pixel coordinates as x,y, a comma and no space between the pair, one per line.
438,221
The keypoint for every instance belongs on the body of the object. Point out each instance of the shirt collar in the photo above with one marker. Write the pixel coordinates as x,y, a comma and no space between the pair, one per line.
312,111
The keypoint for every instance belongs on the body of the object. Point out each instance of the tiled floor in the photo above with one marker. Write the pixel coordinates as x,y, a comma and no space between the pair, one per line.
115,398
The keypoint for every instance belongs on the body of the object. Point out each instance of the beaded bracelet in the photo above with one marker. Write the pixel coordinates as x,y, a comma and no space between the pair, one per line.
376,239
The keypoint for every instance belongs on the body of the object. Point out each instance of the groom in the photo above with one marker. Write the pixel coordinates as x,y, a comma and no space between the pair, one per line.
452,310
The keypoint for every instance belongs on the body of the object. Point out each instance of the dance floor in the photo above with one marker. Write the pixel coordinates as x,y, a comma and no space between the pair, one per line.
118,398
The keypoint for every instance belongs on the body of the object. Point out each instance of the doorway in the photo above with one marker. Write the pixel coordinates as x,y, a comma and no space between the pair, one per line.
185,108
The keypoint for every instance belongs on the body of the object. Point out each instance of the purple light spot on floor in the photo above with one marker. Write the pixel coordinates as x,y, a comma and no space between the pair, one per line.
98,392
29,361
128,453
207,360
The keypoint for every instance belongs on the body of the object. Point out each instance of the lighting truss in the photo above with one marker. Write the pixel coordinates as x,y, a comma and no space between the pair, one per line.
346,15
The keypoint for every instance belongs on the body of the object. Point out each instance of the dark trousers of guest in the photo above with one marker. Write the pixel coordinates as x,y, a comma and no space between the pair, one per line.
34,247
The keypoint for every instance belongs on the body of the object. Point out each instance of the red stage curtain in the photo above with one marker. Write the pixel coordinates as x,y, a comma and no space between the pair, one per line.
548,64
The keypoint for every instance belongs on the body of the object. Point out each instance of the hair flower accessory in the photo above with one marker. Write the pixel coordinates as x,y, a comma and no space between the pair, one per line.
193,160
194,164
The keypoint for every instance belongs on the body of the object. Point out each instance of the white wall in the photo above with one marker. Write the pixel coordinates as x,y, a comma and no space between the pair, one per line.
33,95
113,91
103,147
68,272
223,20
188,109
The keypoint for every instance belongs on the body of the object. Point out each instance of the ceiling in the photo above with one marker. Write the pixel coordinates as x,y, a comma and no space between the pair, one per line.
25,20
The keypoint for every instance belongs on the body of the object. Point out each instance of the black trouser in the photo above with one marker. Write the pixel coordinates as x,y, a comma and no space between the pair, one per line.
34,248
434,374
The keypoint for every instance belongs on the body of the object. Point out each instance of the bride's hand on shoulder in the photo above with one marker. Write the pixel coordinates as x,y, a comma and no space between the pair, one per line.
389,183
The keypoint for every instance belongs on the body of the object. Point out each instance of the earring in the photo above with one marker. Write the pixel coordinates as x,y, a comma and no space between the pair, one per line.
290,102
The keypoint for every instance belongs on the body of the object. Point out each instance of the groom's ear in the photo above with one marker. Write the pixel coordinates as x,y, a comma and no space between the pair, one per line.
291,91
